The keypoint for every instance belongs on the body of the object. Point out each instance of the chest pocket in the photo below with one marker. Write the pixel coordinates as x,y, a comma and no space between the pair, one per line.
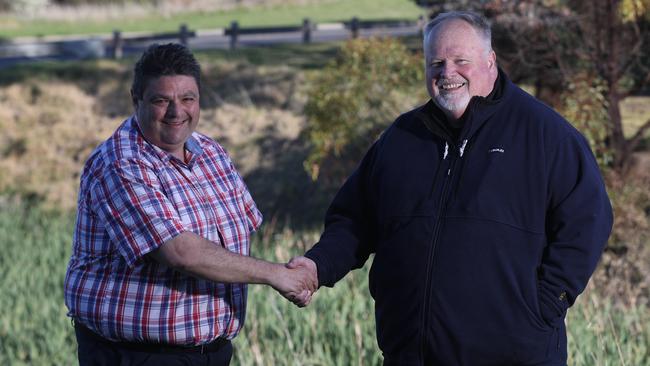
502,184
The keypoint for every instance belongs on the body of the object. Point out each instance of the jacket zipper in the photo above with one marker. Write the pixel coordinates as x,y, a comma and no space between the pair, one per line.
444,196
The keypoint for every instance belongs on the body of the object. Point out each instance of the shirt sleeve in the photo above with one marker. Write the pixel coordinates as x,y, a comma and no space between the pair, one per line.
578,224
137,214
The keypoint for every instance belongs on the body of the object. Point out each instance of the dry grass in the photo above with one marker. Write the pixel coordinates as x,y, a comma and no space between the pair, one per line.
51,126
48,131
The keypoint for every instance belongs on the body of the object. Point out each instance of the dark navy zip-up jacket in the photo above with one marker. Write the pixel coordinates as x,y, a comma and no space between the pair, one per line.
480,244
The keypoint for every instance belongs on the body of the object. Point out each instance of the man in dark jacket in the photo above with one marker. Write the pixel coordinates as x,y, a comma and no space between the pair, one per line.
485,210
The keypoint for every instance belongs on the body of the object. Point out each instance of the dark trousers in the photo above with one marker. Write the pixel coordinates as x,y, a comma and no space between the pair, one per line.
94,350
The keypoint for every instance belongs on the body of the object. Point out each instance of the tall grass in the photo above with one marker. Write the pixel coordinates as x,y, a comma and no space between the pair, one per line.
602,335
337,329
33,325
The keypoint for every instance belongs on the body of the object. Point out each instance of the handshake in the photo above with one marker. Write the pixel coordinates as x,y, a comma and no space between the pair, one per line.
297,280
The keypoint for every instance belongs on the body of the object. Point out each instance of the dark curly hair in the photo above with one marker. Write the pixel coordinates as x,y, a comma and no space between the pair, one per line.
163,60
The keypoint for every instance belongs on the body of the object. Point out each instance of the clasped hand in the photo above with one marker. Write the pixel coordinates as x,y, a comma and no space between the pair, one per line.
297,281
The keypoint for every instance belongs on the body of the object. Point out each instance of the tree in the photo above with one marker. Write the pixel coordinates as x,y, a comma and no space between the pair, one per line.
615,40
603,40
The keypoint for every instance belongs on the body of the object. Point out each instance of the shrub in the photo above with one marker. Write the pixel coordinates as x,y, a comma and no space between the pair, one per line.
585,106
354,98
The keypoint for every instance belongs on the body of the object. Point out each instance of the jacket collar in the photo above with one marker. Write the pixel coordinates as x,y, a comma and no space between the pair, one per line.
478,112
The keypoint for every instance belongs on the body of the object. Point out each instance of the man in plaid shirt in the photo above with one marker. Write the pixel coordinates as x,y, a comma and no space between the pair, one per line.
160,257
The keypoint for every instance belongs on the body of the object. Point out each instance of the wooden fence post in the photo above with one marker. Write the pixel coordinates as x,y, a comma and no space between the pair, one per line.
183,34
306,30
118,44
354,27
234,33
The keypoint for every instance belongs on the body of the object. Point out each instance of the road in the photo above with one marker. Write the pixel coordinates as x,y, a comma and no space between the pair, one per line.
78,47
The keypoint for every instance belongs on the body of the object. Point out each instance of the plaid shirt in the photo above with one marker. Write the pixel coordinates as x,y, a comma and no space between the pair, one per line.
133,198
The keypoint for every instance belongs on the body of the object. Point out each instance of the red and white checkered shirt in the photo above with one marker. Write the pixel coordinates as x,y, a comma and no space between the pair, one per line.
133,198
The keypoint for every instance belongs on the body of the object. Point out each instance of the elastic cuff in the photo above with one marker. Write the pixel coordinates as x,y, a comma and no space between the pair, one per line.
320,268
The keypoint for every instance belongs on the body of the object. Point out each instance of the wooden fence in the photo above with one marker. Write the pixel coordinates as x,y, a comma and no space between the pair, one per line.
115,49
119,43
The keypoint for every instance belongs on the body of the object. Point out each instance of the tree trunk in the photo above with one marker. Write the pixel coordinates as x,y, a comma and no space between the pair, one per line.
618,142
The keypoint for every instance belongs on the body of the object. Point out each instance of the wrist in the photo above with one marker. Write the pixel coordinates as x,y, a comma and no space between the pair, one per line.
271,274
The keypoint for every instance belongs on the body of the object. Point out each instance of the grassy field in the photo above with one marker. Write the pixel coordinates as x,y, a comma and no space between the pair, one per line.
318,12
337,329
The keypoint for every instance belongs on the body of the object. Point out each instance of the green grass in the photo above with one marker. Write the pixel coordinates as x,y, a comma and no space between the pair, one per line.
33,325
603,336
337,329
331,11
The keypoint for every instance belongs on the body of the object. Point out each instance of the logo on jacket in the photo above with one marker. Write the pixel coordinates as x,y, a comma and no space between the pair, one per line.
496,150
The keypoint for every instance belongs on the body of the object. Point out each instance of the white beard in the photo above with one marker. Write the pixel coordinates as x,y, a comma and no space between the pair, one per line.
451,102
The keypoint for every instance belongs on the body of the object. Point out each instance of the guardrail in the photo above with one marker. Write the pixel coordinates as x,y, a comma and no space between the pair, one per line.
117,44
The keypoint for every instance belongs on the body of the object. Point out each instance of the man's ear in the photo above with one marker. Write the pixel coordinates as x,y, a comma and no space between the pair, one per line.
492,59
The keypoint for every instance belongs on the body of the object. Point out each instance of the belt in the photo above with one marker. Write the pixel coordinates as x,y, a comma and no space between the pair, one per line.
213,346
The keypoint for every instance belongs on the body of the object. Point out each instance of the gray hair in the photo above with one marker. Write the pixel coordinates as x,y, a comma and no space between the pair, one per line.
477,21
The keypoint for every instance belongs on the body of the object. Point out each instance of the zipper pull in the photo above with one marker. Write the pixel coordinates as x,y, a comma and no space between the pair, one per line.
462,148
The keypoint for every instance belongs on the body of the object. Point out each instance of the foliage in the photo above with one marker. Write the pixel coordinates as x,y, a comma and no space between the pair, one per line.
355,97
336,329
585,106
634,9
552,42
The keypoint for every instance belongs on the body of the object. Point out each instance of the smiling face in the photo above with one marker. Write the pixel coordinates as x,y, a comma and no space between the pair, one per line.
459,65
168,112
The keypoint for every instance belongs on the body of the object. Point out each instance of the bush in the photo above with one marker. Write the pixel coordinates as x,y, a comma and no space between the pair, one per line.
354,98
585,106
